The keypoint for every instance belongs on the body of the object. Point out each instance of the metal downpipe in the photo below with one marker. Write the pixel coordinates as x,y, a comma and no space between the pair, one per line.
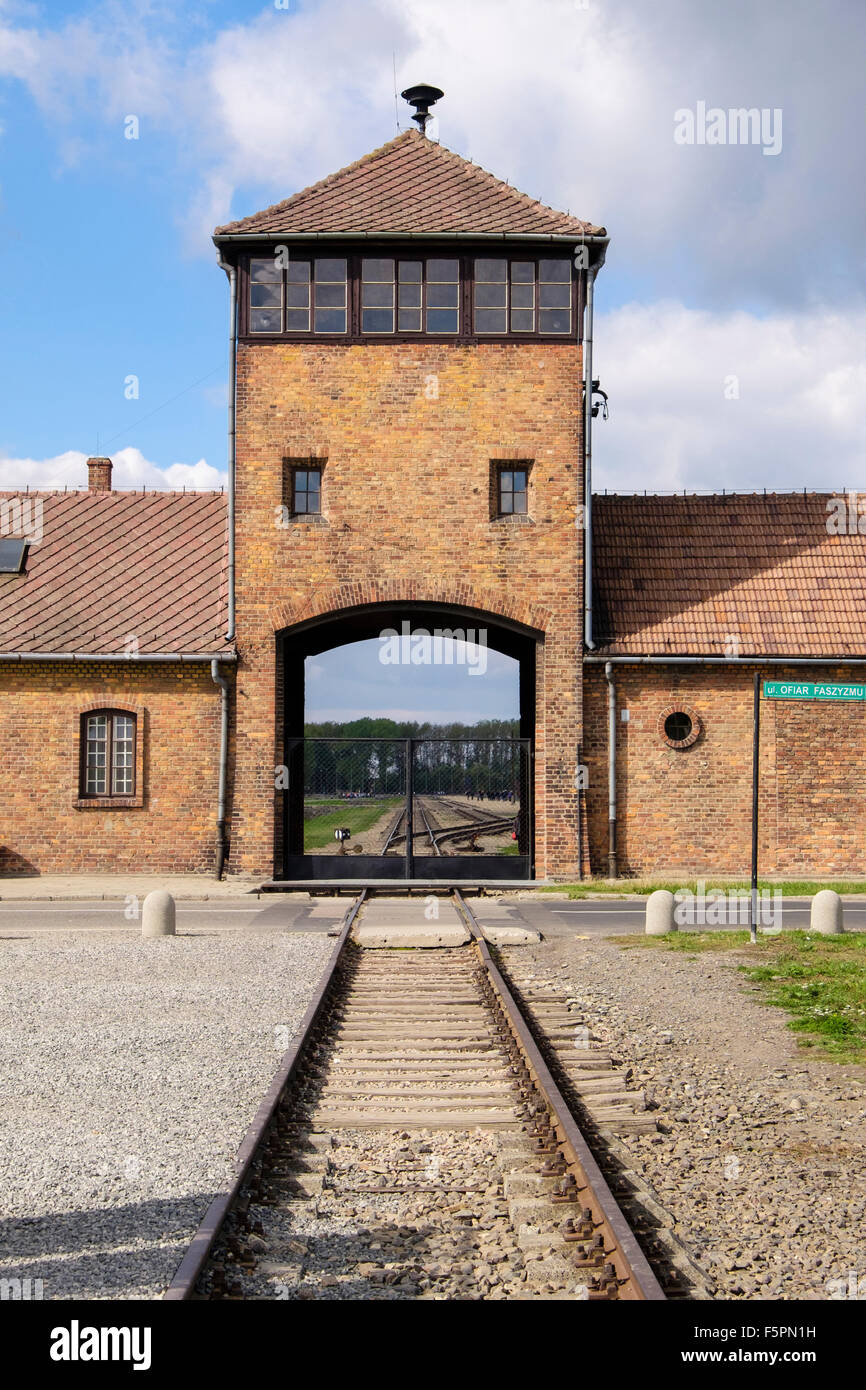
611,771
587,461
232,273
222,848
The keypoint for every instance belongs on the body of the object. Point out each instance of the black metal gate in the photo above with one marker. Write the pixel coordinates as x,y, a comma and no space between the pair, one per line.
437,808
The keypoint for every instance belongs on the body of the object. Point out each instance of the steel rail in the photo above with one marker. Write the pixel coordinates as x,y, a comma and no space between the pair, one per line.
392,837
479,827
459,832
634,1274
186,1276
397,839
478,811
634,1277
434,835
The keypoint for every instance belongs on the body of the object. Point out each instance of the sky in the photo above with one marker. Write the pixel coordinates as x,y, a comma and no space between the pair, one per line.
731,322
469,682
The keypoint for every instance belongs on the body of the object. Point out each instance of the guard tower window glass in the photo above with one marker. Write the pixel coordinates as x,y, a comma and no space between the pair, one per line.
409,295
266,297
512,491
443,296
377,295
306,491
108,764
522,315
330,295
554,296
298,297
491,295
518,296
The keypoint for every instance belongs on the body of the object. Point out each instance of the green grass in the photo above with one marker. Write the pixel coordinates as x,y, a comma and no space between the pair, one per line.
820,981
789,888
356,816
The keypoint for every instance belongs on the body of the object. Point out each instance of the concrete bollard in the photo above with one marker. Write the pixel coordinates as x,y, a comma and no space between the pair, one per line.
157,914
660,913
826,916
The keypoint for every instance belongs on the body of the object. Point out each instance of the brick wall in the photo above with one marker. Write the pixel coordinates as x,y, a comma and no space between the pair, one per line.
406,433
171,827
689,809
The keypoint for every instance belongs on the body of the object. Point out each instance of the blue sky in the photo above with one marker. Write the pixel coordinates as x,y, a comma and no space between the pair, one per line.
727,265
485,688
723,263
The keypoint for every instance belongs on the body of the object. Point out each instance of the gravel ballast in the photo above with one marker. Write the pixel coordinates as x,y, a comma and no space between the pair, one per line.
759,1154
130,1072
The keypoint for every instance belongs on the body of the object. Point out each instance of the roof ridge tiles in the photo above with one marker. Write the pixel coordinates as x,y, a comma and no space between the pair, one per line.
391,183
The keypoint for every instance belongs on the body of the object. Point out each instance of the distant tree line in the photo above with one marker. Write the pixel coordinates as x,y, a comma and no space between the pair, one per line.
448,759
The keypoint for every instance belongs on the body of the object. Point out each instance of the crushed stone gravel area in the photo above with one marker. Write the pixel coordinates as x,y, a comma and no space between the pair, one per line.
759,1154
129,1072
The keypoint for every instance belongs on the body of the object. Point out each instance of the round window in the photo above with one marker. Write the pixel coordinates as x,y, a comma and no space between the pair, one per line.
678,726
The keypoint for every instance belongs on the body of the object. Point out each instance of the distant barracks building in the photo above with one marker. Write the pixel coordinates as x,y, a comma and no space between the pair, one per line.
409,440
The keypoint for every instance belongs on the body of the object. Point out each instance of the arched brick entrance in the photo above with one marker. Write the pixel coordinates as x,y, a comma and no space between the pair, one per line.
319,627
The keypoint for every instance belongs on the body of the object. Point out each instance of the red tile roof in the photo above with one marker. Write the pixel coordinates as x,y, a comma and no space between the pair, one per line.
412,184
672,576
689,575
118,565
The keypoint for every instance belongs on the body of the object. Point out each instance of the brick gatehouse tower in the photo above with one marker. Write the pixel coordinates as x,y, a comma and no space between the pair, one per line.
409,330
409,451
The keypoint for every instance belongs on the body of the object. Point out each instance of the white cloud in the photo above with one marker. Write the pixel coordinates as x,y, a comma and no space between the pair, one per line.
131,470
799,419
574,105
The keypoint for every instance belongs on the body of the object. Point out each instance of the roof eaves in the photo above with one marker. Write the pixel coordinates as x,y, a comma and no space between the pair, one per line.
223,654
597,238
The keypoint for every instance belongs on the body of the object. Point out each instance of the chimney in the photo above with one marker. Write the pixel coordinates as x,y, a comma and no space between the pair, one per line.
422,97
99,475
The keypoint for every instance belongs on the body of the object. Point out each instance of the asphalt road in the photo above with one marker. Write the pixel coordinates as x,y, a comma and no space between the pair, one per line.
282,912
601,917
290,912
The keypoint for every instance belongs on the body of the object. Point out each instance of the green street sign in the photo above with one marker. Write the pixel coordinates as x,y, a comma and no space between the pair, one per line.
797,690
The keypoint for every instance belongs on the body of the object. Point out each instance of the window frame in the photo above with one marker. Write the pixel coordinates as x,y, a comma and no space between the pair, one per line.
312,306
498,466
680,708
503,468
509,283
109,796
304,466
465,251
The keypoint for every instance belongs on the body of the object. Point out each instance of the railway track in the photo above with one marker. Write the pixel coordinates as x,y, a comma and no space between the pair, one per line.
414,1144
480,823
477,814
425,825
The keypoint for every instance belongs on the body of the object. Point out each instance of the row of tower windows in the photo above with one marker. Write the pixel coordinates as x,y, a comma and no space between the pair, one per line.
404,295
509,489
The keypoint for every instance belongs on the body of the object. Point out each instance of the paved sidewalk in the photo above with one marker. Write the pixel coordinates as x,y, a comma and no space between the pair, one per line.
52,887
